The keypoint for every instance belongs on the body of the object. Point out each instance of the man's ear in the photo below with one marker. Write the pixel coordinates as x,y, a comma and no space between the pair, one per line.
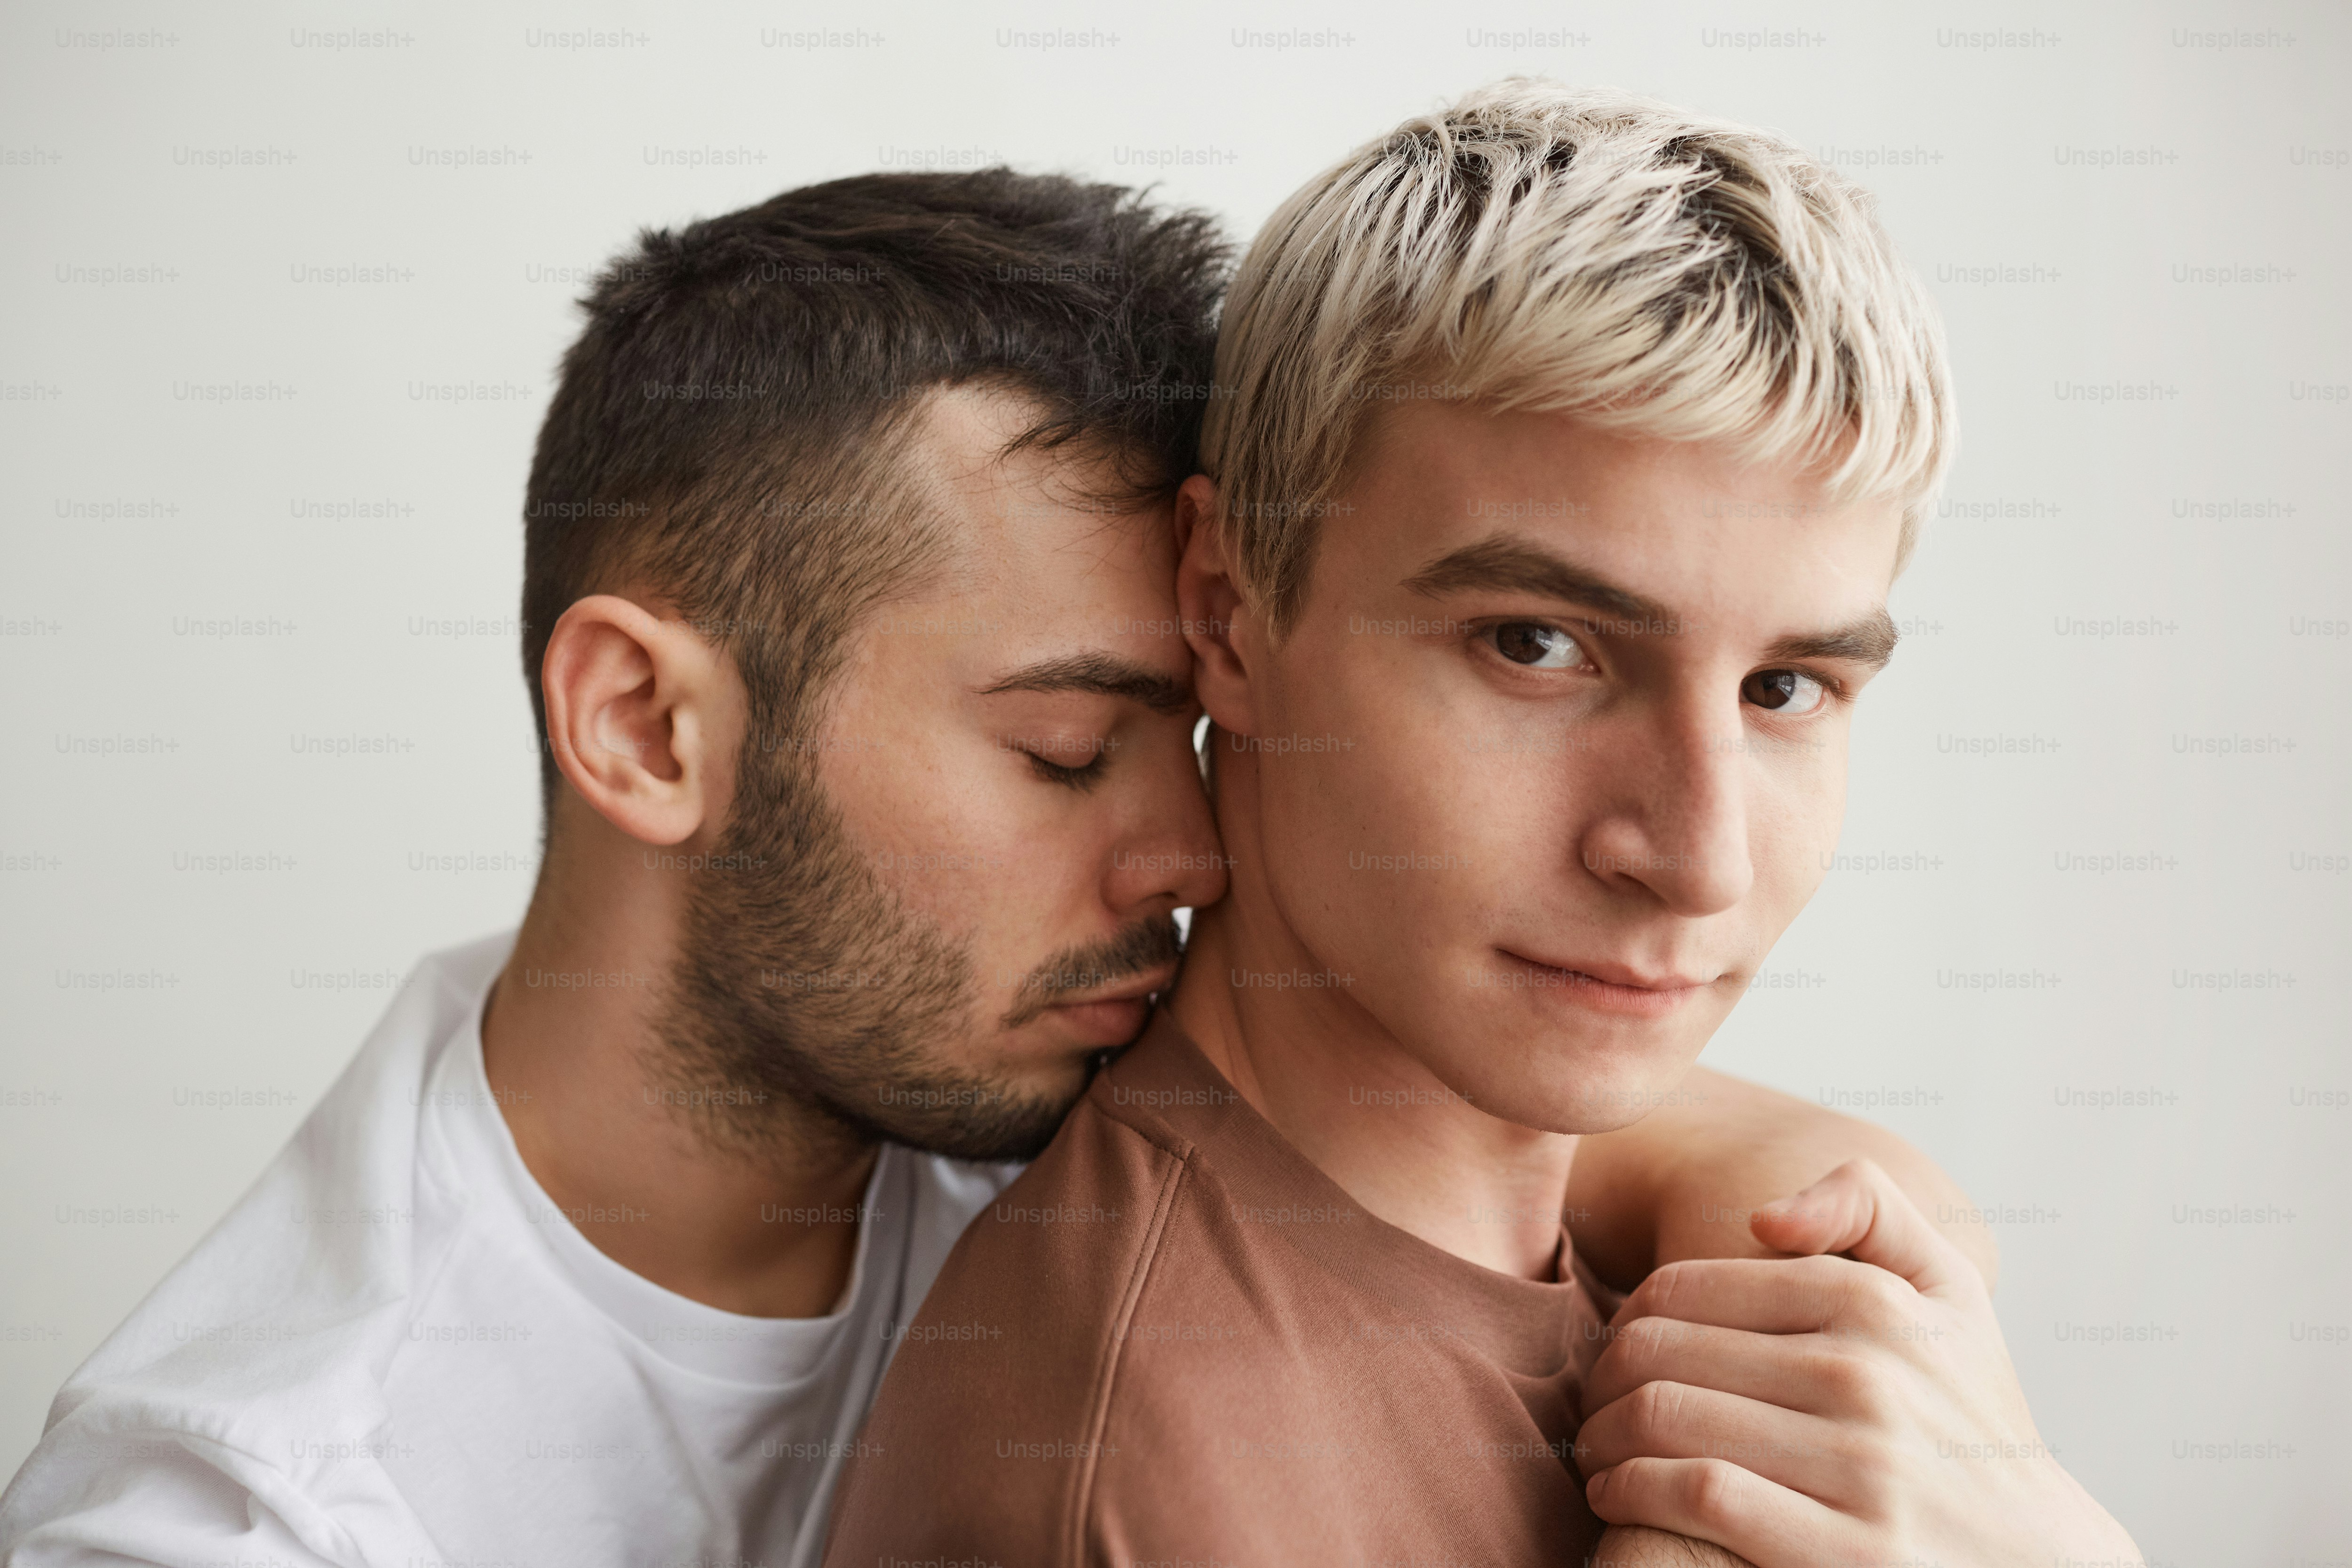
1209,599
638,712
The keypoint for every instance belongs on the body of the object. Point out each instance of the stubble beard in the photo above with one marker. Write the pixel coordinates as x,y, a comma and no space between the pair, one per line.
808,1005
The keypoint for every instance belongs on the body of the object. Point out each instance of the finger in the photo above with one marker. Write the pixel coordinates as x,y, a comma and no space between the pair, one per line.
1676,1421
1797,1372
1859,1211
1762,1295
1716,1501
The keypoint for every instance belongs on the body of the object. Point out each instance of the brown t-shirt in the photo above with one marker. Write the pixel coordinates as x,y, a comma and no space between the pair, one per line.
1174,1341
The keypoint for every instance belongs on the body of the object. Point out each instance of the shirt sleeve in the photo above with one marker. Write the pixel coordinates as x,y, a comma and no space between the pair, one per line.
170,1499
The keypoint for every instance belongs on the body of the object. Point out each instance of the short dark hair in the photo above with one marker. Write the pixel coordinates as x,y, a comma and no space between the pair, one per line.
724,429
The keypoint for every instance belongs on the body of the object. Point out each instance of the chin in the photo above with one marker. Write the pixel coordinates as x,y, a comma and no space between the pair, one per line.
1007,1120
1563,1078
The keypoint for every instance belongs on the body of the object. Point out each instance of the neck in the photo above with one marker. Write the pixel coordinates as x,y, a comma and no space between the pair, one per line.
1333,1081
573,1047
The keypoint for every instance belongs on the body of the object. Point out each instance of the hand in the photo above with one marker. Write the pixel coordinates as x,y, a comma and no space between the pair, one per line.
1816,1409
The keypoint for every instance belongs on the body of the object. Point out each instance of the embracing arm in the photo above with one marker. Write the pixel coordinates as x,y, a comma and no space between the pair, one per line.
1681,1182
1635,1546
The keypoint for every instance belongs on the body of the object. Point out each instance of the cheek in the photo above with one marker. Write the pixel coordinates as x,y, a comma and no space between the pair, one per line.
1793,832
874,751
1379,827
922,811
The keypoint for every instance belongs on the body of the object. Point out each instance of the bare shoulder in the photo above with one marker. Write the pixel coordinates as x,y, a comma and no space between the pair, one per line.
1682,1181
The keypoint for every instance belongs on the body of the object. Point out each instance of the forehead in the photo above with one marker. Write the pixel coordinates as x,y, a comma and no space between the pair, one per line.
1033,553
1680,523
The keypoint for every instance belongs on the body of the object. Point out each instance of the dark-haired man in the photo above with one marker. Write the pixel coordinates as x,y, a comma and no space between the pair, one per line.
870,797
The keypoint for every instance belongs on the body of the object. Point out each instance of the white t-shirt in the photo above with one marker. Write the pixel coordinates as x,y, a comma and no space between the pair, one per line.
395,1351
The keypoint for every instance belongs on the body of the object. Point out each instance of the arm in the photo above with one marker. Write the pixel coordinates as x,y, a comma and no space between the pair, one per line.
1681,1182
1787,1407
123,1495
1635,1546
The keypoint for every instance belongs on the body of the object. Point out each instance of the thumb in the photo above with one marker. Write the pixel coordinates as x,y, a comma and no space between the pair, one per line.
1858,1210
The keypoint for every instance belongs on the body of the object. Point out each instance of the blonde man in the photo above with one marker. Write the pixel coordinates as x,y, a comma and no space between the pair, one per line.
1567,447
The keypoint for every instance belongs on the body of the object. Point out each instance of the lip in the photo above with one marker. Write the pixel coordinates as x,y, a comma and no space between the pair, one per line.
1115,1014
1134,988
1605,988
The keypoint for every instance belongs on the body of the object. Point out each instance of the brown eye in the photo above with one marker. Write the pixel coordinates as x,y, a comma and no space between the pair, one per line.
1536,645
1788,692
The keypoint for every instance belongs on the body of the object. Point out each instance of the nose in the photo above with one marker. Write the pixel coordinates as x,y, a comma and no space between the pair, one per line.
1168,855
1675,818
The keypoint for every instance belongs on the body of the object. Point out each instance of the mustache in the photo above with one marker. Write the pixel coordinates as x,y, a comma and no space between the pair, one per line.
1141,948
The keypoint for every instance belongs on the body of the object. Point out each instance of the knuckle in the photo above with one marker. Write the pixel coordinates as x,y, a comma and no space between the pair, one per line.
1843,1378
1854,1384
1852,1381
1636,1478
1868,1397
1878,1298
1875,1479
1713,1492
1645,1341
1612,1378
1847,1172
1664,1286
1655,1408
1642,1408
1820,1277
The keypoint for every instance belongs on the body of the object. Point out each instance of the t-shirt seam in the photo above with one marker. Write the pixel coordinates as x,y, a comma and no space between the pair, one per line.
196,1442
1107,1374
438,1164
1159,1134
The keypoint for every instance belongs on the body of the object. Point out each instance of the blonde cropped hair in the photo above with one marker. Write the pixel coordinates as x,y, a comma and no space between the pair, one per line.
1572,250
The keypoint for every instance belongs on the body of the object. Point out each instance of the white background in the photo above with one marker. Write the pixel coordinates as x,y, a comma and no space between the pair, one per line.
131,511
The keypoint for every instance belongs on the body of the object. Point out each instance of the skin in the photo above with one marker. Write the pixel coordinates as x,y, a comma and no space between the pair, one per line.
1053,642
1683,1181
1536,797
1018,742
938,773
1853,1405
1594,859
937,768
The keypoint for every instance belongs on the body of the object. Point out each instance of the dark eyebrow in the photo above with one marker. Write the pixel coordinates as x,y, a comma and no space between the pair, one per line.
1505,561
1103,674
1869,640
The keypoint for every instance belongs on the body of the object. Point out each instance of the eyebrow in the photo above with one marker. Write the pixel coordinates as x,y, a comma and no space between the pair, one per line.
1503,562
1103,675
1506,562
1868,640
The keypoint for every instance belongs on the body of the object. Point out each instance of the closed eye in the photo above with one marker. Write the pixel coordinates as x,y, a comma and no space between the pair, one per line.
1084,777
